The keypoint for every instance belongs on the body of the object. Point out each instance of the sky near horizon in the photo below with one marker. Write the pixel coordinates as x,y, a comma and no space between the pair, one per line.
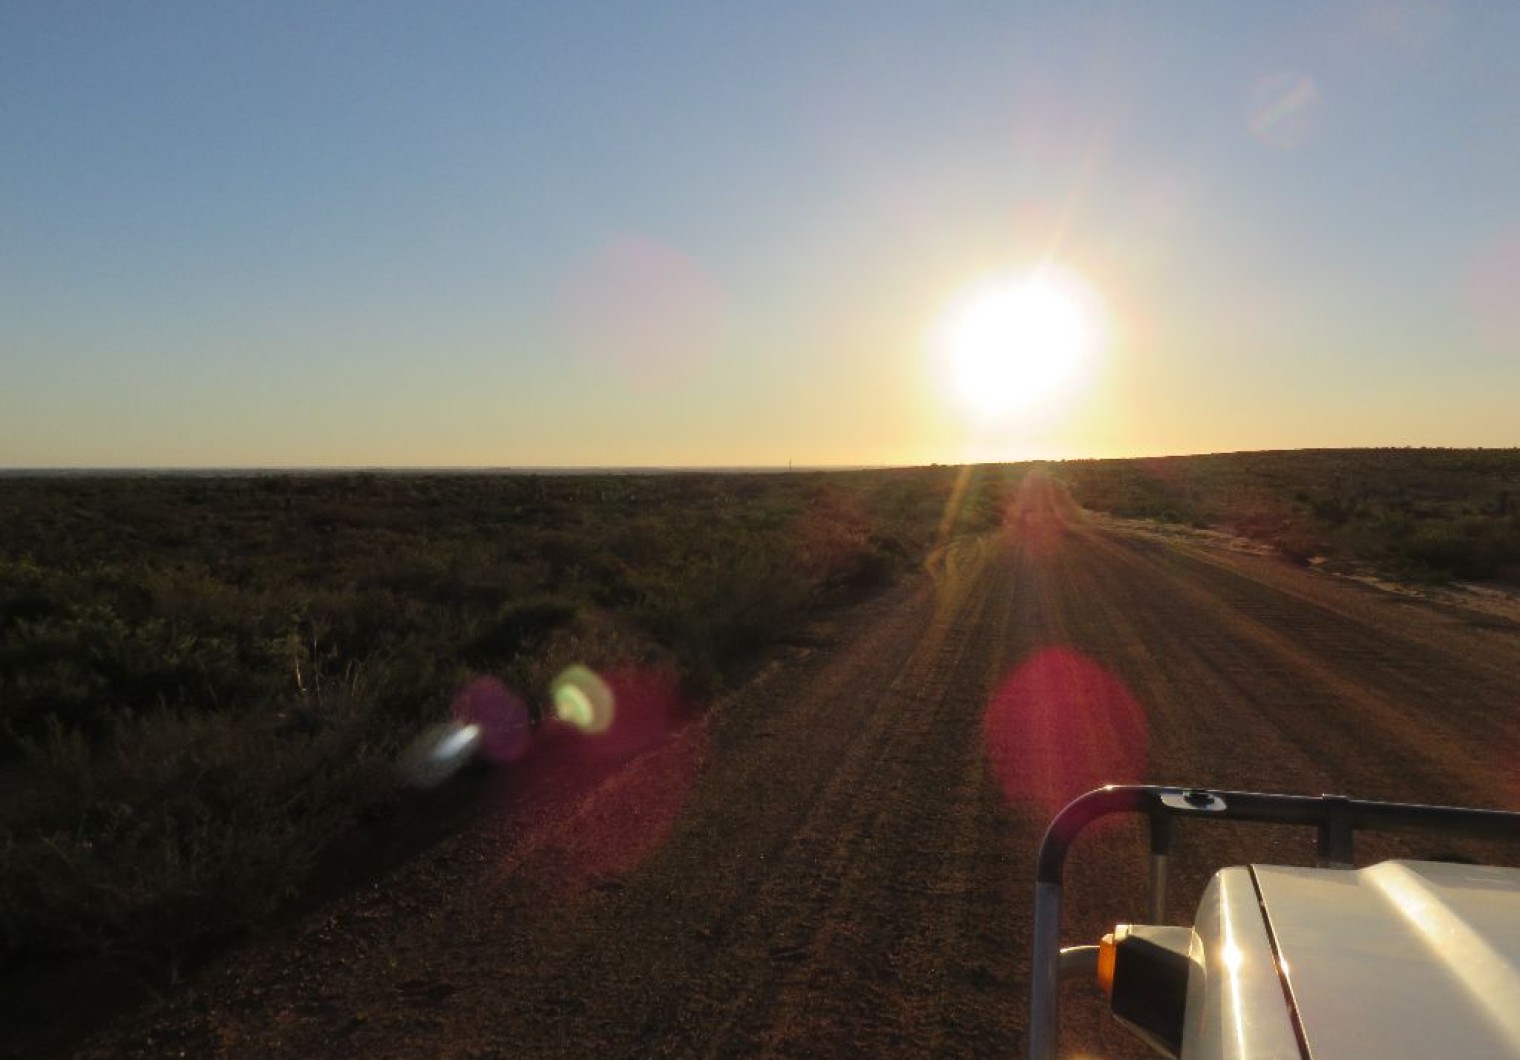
615,234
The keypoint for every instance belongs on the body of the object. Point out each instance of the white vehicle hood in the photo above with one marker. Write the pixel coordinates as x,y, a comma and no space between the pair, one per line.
1401,959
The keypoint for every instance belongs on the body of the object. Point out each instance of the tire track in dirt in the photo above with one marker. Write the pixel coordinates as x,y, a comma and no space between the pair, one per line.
780,797
881,935
1398,716
847,877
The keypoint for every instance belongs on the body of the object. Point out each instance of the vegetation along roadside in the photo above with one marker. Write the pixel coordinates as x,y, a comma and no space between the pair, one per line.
206,681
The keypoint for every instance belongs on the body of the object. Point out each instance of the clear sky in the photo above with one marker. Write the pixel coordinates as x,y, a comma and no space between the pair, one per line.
664,233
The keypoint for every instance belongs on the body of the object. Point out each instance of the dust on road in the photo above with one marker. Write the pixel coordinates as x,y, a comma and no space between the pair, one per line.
849,866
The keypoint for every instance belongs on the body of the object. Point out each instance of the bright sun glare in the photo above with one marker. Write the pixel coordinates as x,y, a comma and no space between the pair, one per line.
1015,341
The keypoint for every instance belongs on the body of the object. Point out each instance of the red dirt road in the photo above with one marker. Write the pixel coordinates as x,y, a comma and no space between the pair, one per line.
837,859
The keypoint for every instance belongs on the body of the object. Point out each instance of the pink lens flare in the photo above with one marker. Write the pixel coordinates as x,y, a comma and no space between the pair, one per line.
1410,24
505,726
644,311
1060,725
1040,515
1491,285
629,780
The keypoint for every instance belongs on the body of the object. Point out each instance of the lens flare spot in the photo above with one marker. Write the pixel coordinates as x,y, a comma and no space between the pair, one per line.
1060,725
583,700
1040,515
1492,283
629,783
438,753
506,727
1283,108
1408,23
644,312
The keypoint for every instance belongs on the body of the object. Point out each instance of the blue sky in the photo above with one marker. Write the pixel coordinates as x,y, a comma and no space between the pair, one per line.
685,234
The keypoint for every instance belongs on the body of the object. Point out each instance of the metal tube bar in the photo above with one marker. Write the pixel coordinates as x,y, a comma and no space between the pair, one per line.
1045,973
1161,848
1155,912
1336,817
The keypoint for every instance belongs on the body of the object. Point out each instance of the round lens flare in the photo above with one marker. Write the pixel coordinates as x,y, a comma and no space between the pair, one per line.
438,753
1061,724
583,700
503,720
1014,341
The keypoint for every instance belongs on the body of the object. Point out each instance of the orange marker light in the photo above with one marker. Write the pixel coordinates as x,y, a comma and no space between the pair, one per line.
1106,954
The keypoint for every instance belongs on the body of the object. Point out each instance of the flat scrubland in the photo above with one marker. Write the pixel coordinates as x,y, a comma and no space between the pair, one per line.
205,681
1411,513
835,858
205,684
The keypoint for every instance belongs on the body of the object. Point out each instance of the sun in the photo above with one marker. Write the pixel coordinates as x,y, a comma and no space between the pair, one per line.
1015,341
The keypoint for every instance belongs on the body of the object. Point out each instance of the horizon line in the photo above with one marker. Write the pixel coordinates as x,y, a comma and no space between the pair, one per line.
549,469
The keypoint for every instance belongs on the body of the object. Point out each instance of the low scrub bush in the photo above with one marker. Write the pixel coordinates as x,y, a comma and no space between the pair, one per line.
1473,547
204,682
174,830
1425,513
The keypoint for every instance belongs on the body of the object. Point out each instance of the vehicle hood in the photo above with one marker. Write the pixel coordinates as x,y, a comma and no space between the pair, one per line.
1400,959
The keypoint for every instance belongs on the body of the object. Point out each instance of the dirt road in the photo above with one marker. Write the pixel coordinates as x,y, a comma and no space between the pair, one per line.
836,860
